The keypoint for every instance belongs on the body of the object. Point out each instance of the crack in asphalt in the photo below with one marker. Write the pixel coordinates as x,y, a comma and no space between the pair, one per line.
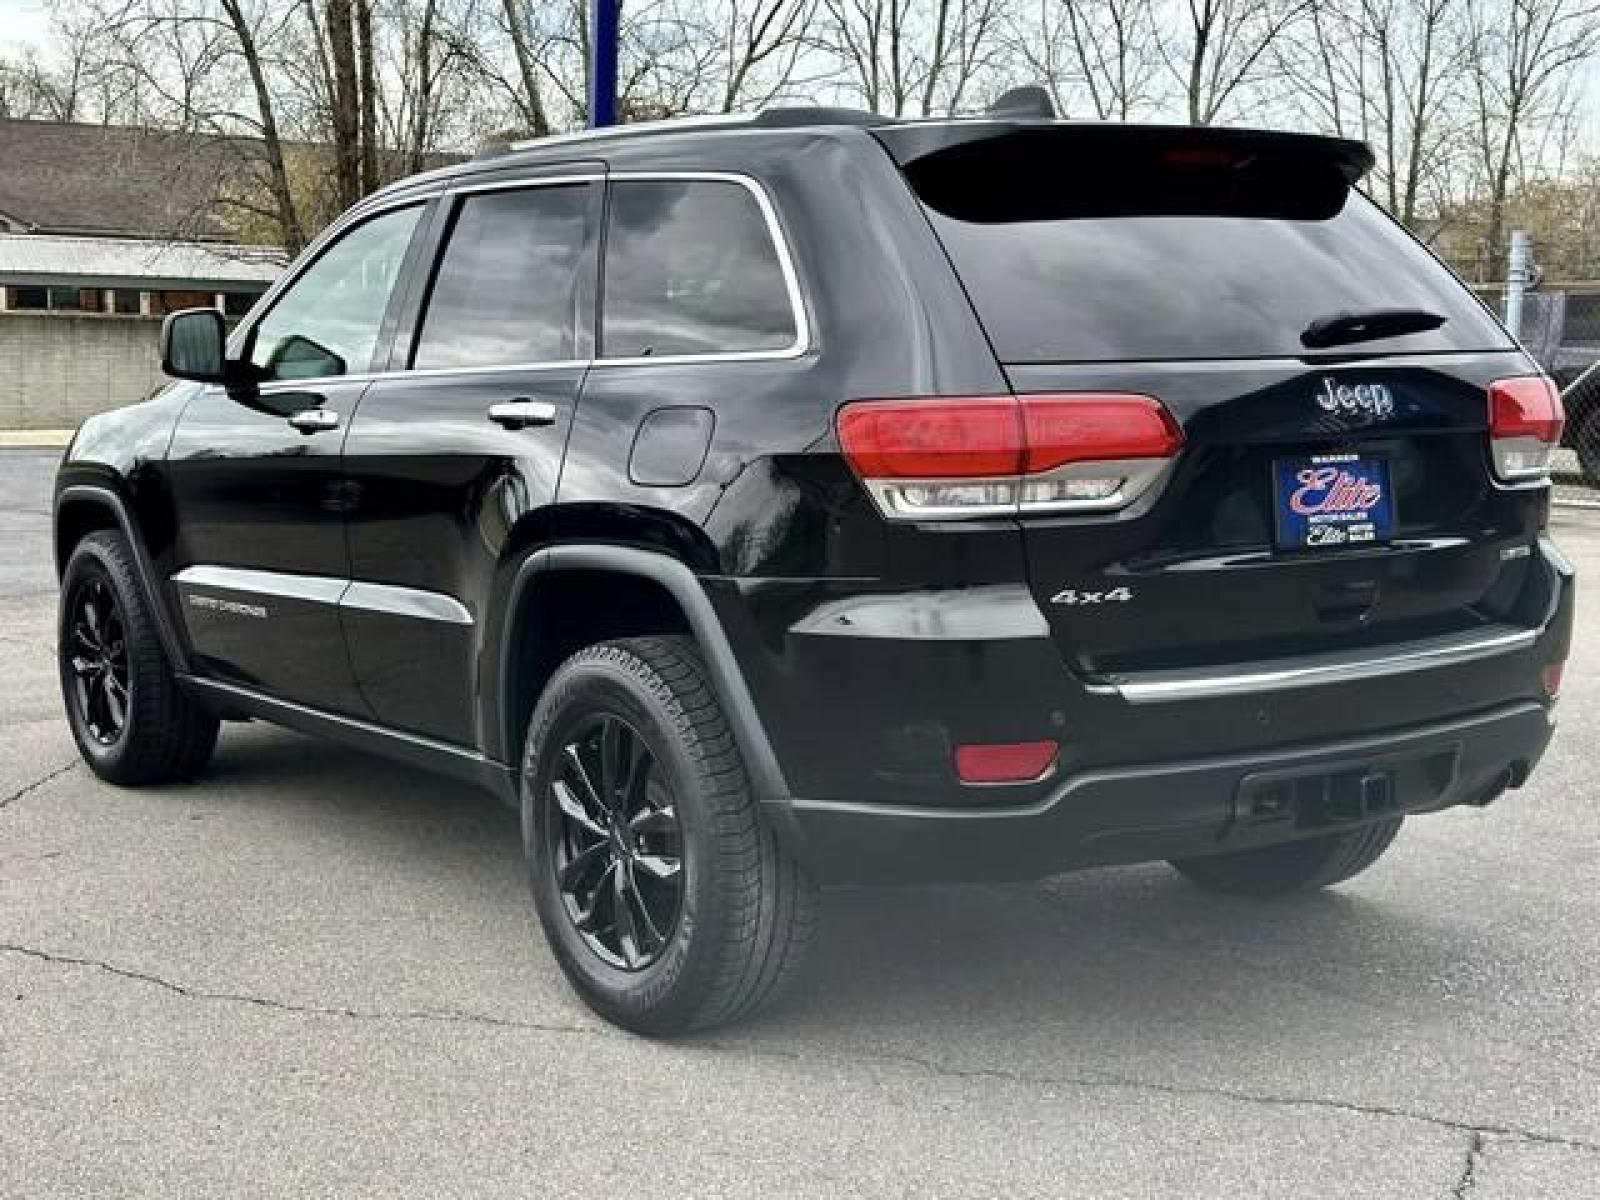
1110,1081
313,1010
1476,1147
47,777
1477,1133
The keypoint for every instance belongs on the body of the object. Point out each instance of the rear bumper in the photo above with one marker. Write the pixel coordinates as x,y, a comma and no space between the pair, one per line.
865,695
1175,809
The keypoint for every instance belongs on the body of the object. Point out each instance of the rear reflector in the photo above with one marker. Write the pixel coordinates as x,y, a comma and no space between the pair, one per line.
1551,678
959,456
1004,762
1525,424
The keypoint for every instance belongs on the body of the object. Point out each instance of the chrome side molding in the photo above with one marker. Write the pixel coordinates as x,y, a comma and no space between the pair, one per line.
320,589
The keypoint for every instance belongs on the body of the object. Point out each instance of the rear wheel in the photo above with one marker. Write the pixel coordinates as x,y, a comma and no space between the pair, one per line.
132,721
1295,866
667,901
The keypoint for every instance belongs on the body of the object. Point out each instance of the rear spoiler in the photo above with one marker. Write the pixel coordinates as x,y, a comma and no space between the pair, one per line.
912,142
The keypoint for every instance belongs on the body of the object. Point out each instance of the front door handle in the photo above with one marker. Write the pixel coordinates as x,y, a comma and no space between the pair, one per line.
315,420
522,412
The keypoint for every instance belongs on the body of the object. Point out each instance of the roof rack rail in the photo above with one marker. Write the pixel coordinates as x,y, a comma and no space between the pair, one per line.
784,117
800,115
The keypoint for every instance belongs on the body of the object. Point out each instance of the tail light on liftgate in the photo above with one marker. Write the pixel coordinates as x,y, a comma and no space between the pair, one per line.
942,457
1525,422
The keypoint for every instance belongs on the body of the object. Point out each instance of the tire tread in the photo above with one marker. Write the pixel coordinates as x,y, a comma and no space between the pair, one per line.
768,903
170,736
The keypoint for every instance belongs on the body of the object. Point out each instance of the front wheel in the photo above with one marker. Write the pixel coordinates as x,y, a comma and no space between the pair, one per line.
1302,866
133,722
665,898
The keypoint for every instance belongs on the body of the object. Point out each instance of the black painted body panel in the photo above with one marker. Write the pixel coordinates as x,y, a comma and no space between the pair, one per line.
248,491
852,653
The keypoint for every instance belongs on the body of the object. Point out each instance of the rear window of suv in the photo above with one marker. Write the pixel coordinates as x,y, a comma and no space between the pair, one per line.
1094,254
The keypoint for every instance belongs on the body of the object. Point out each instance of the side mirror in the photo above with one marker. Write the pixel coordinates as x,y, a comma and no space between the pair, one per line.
194,345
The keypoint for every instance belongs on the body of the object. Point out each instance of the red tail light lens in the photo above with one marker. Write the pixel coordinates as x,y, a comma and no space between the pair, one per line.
1525,424
950,437
1004,762
943,457
1088,428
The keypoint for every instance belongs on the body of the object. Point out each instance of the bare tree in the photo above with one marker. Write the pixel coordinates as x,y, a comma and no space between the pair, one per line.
911,56
1387,71
1224,47
1096,55
757,34
272,150
344,91
529,96
31,91
1522,57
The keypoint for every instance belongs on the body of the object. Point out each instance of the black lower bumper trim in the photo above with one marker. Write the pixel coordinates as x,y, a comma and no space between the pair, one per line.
1174,810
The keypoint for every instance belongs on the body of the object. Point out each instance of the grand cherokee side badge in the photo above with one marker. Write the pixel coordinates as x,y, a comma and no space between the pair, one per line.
234,607
1077,596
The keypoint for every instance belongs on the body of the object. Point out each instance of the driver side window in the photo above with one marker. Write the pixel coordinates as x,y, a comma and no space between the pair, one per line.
327,322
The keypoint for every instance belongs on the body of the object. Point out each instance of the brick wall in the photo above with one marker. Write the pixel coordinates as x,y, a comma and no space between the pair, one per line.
58,368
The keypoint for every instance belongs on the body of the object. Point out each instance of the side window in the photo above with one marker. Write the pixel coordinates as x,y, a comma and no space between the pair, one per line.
690,268
509,285
327,322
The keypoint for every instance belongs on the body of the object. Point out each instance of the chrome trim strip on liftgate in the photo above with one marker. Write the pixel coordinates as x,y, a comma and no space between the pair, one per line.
1311,670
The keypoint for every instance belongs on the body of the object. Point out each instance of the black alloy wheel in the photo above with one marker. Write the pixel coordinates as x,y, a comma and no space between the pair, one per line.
667,901
129,715
616,844
97,654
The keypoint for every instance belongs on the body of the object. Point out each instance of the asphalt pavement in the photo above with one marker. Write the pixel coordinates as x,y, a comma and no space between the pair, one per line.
314,973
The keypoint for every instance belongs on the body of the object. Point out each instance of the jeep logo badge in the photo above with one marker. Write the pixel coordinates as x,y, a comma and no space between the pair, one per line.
1364,399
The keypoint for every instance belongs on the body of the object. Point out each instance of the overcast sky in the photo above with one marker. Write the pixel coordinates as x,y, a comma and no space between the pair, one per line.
23,22
27,22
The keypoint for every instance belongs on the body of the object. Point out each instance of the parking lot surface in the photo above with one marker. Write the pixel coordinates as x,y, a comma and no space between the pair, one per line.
316,973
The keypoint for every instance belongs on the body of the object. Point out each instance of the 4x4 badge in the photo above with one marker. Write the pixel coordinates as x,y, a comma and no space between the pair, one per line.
1117,595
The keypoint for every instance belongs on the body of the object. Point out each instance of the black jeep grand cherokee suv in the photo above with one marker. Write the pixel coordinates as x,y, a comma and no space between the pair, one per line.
819,497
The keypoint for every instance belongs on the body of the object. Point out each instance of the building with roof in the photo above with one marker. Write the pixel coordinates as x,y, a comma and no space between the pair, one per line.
104,230
114,221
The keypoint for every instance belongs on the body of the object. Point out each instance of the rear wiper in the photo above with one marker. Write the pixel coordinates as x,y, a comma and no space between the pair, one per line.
1341,329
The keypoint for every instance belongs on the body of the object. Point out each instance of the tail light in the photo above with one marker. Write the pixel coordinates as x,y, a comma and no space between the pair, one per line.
1525,423
943,457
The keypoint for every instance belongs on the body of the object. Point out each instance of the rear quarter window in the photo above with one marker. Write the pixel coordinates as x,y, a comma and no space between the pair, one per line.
691,268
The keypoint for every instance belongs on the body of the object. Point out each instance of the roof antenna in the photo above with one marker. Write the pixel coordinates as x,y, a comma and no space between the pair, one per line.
1028,102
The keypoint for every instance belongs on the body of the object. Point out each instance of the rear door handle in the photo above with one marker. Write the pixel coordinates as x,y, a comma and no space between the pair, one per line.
522,412
315,420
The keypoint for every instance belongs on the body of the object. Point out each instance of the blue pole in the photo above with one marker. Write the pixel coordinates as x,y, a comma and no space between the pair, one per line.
606,18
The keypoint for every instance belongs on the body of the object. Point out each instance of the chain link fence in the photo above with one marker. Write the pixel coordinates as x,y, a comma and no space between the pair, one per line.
1561,329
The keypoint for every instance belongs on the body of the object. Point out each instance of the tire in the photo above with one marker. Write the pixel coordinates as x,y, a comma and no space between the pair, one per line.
739,911
1294,866
164,734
